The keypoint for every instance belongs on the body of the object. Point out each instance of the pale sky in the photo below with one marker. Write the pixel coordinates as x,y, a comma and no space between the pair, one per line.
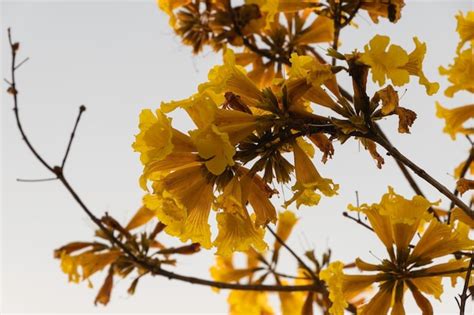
118,57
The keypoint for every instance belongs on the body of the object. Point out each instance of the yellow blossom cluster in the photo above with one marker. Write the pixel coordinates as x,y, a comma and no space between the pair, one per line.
236,123
460,74
409,266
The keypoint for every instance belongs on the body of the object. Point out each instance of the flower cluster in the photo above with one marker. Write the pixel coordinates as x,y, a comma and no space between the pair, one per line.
460,75
237,125
396,221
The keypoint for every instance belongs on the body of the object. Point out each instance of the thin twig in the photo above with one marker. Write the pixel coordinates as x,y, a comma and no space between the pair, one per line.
82,109
464,296
22,63
298,258
39,180
358,221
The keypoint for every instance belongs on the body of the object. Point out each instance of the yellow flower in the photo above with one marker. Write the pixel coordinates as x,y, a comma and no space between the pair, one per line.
90,263
286,221
455,119
237,233
213,146
141,217
258,194
458,214
249,303
291,303
387,9
460,73
190,187
157,138
308,180
385,63
230,77
440,240
225,271
69,265
333,277
414,66
166,209
465,28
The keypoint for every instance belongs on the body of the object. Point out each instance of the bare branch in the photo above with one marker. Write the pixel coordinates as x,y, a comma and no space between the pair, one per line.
36,180
464,296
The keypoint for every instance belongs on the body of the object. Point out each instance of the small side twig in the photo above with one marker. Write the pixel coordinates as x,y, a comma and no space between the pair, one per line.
357,220
82,109
39,180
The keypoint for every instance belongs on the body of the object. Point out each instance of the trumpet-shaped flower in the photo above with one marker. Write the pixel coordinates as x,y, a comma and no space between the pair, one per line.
465,28
249,303
415,67
395,63
237,233
460,73
157,138
455,119
214,146
308,181
386,63
190,187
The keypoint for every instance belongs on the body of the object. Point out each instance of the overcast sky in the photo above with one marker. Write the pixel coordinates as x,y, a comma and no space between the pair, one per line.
118,57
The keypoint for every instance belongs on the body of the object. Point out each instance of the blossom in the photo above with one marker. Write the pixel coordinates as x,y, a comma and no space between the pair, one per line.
460,73
249,303
455,119
213,146
225,271
414,66
286,221
167,209
89,262
395,63
157,138
237,233
332,276
385,63
465,28
308,180
230,77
